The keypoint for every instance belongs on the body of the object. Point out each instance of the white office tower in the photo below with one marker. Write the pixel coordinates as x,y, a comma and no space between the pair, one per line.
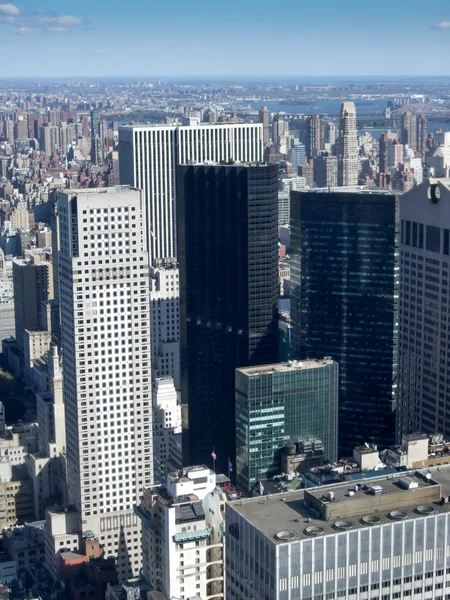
182,536
105,336
424,303
149,155
165,319
348,161
167,455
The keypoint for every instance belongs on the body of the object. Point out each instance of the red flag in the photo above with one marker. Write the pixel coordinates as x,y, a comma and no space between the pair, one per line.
213,454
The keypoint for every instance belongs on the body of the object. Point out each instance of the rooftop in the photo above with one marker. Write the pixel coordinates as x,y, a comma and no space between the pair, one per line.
353,189
107,190
60,510
286,367
342,506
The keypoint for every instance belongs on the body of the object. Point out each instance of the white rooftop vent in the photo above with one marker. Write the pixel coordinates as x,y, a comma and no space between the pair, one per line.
398,515
314,530
286,536
343,525
425,509
371,520
407,483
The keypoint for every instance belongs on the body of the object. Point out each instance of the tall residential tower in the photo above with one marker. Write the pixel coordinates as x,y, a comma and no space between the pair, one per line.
348,169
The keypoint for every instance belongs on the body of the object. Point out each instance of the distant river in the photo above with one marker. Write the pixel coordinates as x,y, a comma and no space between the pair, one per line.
332,109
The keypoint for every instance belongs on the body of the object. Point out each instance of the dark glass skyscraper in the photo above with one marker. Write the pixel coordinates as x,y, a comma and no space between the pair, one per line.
344,295
228,255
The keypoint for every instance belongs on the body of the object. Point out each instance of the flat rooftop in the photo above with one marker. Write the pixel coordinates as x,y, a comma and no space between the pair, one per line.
353,189
329,506
107,190
285,367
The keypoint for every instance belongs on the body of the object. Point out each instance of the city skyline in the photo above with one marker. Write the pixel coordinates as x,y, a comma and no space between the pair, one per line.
174,43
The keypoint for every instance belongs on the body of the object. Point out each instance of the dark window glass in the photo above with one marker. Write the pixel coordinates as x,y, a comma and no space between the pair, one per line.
446,242
408,233
433,239
420,235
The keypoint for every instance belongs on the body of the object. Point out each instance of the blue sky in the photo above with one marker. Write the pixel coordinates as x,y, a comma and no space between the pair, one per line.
234,37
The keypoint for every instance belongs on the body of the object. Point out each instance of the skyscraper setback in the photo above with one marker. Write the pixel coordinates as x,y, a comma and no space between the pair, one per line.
348,161
344,290
148,159
149,155
227,220
107,371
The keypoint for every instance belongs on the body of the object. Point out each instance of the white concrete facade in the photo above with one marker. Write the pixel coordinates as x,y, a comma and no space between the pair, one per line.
182,535
105,333
149,155
166,425
165,320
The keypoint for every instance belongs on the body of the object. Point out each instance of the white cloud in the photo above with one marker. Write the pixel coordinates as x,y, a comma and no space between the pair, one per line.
24,30
56,29
9,9
444,25
61,21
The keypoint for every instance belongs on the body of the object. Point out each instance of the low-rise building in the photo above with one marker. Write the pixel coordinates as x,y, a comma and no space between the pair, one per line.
26,545
182,534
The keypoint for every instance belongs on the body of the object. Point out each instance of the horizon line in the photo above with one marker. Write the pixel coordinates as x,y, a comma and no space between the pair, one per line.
415,76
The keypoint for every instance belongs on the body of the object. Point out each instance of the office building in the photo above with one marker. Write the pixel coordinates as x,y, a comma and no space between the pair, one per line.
307,172
45,139
408,130
105,335
325,171
422,133
284,206
292,183
264,118
313,141
280,128
167,454
424,359
149,155
297,156
348,167
330,133
227,219
33,285
183,535
279,405
165,319
382,539
344,293
148,158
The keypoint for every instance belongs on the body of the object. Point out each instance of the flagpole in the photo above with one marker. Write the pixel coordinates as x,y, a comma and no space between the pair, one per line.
214,460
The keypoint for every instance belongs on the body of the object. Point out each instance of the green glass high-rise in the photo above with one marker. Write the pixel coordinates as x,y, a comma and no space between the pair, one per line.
280,404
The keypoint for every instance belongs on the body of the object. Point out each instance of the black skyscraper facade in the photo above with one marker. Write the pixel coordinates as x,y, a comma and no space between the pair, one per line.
228,254
344,295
